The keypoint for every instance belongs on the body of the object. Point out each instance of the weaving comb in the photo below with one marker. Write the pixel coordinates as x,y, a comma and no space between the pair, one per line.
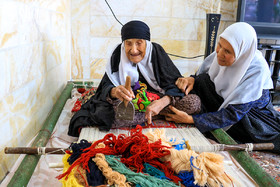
125,109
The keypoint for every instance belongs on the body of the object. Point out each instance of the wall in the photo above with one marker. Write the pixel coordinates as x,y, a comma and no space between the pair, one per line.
179,26
34,68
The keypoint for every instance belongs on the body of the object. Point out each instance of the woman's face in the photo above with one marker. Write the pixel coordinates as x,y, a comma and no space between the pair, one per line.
225,53
135,49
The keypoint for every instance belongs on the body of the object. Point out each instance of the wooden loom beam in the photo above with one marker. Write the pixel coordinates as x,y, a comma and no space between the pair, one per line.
47,150
29,163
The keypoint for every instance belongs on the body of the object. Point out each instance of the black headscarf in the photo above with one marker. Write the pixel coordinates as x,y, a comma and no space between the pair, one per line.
135,29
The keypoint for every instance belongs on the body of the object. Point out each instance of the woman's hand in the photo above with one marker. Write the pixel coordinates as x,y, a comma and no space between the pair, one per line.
178,116
185,84
155,107
121,93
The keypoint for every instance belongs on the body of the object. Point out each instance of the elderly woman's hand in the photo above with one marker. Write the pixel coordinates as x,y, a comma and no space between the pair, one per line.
121,93
155,107
185,84
178,116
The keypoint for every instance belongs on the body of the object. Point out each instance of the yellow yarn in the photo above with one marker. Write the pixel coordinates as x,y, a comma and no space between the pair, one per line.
71,180
188,145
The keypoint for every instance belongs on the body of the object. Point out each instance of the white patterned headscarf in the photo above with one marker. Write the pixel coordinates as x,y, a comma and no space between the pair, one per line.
245,79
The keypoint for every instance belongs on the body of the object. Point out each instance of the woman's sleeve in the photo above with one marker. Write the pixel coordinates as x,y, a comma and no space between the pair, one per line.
228,116
166,73
104,88
222,118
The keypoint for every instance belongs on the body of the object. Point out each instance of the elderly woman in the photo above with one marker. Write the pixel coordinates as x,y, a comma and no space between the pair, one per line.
233,84
143,61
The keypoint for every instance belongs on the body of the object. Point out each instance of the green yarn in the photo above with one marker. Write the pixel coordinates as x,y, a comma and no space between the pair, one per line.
144,180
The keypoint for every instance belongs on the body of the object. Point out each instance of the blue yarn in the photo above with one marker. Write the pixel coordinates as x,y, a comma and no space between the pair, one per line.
95,177
77,149
179,146
187,178
191,159
151,170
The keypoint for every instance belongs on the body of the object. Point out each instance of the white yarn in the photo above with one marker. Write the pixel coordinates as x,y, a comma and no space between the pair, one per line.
249,147
41,150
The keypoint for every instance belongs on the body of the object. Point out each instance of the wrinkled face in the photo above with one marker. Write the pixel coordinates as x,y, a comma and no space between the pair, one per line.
135,49
225,53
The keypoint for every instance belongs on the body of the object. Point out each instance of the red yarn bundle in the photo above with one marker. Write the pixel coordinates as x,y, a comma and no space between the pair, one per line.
135,150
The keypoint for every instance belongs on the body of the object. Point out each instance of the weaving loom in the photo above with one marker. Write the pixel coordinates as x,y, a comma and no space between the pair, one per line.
192,135
43,175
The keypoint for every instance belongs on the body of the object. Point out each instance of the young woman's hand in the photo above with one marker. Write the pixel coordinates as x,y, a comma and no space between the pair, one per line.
185,84
178,116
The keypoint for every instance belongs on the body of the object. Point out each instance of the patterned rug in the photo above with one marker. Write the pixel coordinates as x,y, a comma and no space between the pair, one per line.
270,162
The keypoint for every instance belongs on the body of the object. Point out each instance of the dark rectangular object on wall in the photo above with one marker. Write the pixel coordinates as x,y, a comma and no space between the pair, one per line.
212,25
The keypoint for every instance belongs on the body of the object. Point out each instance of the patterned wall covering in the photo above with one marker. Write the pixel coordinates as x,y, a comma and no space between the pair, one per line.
179,26
34,68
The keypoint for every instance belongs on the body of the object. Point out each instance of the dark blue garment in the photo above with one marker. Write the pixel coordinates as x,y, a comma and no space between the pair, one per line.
230,115
255,121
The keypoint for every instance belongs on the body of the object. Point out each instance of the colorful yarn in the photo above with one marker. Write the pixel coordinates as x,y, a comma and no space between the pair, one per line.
207,167
80,175
136,178
142,97
95,176
113,177
154,171
77,150
180,146
71,181
134,150
187,178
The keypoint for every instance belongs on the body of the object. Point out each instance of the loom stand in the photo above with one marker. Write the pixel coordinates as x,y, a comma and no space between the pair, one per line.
248,164
29,163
